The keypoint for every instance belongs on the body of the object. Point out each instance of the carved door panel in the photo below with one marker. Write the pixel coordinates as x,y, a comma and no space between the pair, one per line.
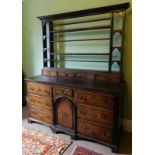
65,113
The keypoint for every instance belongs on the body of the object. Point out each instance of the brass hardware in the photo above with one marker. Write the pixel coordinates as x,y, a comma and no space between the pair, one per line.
82,98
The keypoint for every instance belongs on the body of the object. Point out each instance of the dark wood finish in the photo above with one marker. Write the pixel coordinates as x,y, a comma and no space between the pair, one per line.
44,40
81,13
82,74
49,31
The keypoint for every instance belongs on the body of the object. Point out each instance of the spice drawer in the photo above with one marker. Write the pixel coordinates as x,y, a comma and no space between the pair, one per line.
94,131
92,113
96,99
40,115
39,89
40,102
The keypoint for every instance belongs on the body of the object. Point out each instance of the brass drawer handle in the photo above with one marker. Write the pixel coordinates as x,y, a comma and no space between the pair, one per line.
32,89
83,112
65,92
107,134
82,99
83,127
93,100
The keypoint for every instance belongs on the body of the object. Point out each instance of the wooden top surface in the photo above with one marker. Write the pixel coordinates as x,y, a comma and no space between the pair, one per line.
115,87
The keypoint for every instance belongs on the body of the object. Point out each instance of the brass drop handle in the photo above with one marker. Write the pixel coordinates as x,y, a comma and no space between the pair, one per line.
82,99
32,89
83,112
65,92
107,134
109,118
109,102
83,127
93,100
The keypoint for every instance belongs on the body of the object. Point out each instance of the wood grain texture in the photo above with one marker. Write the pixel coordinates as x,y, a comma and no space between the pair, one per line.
44,103
94,131
41,115
65,116
95,114
39,89
97,99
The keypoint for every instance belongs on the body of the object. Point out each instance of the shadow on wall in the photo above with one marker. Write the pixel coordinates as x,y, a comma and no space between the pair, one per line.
24,103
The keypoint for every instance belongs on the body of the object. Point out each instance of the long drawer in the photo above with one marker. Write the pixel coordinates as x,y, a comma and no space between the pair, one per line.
44,103
39,89
95,114
94,131
41,115
96,99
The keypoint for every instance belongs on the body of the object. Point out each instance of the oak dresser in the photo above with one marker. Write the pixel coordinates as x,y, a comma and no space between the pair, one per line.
84,103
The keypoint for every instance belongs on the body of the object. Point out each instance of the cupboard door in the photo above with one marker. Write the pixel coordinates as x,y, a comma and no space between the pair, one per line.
65,112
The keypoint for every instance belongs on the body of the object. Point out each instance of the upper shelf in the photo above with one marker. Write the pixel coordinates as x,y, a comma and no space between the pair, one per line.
81,13
82,29
84,21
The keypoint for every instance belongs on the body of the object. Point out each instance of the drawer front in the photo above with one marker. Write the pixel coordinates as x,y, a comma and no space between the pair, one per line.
62,92
96,99
39,89
98,115
44,103
94,131
41,115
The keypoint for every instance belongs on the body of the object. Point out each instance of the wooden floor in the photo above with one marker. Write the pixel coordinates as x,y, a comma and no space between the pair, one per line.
125,145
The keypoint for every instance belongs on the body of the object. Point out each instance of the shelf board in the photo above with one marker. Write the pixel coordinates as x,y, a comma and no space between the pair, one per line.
116,61
79,22
81,29
119,47
80,53
80,40
87,60
77,60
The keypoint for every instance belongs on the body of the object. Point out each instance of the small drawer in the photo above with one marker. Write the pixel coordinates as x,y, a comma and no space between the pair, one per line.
49,73
94,131
41,115
96,99
62,92
44,103
81,75
99,115
39,89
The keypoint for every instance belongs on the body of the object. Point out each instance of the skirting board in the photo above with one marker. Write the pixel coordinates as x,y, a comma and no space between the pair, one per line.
127,125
